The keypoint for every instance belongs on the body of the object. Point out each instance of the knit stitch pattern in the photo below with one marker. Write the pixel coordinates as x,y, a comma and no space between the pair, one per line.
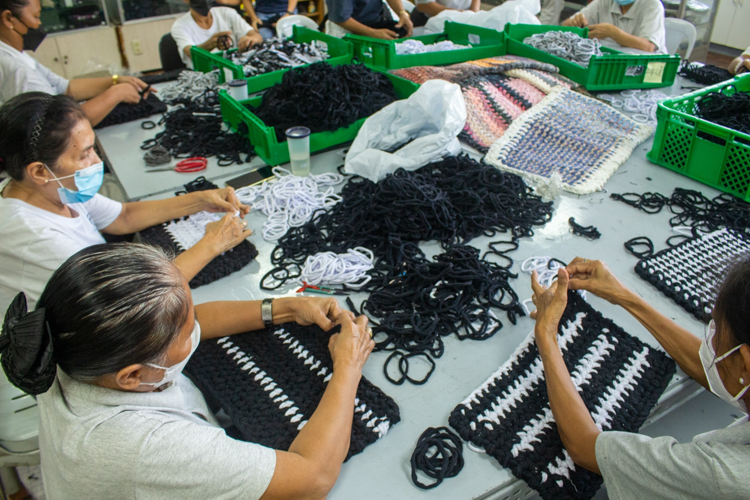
618,377
270,382
179,235
583,139
689,272
456,73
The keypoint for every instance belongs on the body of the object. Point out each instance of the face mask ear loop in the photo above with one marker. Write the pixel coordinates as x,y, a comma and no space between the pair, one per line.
53,175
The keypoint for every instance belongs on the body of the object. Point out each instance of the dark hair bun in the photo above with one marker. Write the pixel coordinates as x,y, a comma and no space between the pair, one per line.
26,348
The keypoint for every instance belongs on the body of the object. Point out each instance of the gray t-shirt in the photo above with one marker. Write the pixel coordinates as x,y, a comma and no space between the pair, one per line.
102,443
645,19
714,465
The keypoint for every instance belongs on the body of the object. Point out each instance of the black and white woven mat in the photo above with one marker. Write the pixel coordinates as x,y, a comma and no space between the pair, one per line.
178,235
125,112
270,382
689,273
619,378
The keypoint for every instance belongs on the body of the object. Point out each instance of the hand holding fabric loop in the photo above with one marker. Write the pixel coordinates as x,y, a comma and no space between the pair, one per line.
26,348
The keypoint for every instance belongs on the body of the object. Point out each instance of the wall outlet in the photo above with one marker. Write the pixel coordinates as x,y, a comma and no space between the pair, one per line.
137,48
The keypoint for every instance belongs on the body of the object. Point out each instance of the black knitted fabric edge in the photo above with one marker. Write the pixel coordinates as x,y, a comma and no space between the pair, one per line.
225,264
530,465
124,112
698,306
259,377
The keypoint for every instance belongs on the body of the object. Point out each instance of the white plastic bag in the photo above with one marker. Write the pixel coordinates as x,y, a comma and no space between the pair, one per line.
512,11
433,116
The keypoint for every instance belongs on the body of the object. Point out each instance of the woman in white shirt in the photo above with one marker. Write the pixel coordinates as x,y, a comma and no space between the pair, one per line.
105,349
636,24
19,72
715,464
49,208
207,27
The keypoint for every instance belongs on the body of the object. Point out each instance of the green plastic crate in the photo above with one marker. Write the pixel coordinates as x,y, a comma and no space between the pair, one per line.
339,51
614,70
378,53
702,150
263,137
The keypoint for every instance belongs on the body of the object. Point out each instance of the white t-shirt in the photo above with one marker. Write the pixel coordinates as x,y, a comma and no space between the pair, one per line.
451,4
714,465
35,242
102,443
187,33
645,19
19,73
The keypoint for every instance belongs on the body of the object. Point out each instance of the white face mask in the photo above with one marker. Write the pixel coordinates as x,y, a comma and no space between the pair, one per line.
709,361
171,372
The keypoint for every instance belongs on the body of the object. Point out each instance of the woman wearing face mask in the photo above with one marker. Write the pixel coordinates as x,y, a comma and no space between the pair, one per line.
49,208
637,24
104,350
20,29
715,464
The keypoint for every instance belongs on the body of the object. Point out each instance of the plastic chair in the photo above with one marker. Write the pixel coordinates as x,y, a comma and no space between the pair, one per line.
169,54
677,30
285,26
19,430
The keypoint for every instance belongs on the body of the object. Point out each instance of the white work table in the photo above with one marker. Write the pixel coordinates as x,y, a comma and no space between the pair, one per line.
382,470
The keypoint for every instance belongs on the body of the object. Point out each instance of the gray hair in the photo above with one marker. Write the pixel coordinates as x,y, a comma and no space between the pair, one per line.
110,306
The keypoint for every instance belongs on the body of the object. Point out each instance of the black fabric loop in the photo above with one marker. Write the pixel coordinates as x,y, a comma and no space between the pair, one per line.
439,455
589,232
148,124
672,243
640,241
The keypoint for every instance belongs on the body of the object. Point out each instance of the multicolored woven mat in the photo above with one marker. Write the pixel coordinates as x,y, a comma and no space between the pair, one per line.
619,378
688,273
583,139
270,382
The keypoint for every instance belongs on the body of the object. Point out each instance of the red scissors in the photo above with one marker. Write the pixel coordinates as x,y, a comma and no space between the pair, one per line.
188,165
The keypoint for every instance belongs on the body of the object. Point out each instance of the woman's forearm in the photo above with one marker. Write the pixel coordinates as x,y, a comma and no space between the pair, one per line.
194,259
679,343
82,89
139,215
219,319
634,42
577,429
97,108
291,5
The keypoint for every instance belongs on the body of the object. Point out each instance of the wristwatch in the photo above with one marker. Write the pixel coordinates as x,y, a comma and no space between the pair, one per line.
266,312
115,79
290,13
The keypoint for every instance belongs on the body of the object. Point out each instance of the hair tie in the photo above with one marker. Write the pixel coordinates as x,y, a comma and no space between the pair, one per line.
26,348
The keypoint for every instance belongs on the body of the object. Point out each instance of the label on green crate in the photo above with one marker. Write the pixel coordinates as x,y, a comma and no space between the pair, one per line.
654,72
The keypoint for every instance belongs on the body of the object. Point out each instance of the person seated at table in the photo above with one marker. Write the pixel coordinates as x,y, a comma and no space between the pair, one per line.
426,9
637,24
105,348
715,464
550,12
267,13
50,209
209,28
368,18
19,72
741,63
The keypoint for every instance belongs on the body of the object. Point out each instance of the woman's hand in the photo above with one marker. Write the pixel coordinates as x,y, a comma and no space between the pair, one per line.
351,348
550,305
251,39
603,30
226,233
579,20
322,311
222,200
405,21
594,276
125,92
139,84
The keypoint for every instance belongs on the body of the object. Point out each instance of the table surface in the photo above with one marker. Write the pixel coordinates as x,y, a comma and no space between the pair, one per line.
122,147
382,470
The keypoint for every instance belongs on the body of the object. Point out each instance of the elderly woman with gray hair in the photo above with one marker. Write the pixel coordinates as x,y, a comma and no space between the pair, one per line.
104,351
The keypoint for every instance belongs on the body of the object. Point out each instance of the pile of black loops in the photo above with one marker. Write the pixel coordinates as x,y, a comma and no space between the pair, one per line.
419,301
691,208
439,454
729,110
195,128
429,299
589,232
324,98
705,74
